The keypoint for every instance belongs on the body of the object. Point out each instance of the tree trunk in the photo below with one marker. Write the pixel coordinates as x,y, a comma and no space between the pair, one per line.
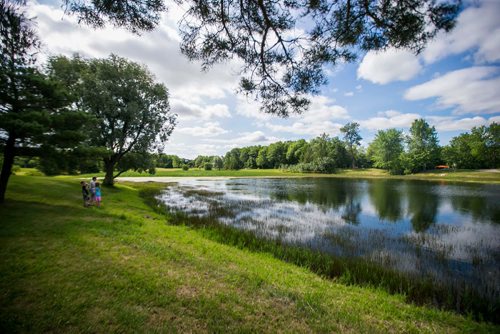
109,168
8,161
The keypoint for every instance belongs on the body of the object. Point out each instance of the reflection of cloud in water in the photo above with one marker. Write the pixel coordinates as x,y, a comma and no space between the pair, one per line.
291,222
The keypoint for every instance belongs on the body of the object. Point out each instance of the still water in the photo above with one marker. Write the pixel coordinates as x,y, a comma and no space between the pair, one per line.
448,232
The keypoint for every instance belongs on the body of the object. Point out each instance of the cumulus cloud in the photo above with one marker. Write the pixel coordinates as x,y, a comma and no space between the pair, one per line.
394,119
192,111
323,116
477,27
459,124
246,139
349,94
470,90
389,65
158,49
389,119
209,129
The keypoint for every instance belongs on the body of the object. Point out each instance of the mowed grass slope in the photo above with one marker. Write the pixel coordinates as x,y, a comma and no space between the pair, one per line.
122,268
491,176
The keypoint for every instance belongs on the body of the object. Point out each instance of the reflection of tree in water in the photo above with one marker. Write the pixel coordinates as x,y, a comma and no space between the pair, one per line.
481,206
386,198
327,194
351,212
423,205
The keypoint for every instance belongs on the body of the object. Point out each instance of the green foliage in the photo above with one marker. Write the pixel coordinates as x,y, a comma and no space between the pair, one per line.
130,110
386,149
352,139
423,148
185,167
478,149
319,165
232,159
34,113
208,166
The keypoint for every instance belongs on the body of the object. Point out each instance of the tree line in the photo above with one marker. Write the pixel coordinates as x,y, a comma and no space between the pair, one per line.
391,150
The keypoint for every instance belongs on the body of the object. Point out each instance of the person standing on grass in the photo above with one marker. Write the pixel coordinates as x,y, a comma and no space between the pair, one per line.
85,193
92,190
98,194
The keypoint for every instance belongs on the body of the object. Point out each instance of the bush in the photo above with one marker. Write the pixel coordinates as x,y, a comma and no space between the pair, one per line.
208,166
185,167
15,169
321,165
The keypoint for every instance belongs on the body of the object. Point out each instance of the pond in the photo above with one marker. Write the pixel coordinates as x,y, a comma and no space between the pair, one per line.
446,232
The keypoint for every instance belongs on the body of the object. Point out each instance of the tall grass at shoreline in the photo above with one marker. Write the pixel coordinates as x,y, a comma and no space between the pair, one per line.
351,271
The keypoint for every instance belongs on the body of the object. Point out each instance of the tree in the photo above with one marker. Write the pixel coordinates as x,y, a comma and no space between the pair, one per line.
232,159
261,160
284,45
218,162
295,151
352,139
131,111
477,149
423,148
32,114
385,150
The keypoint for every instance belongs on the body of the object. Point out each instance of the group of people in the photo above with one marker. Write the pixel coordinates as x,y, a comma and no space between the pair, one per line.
91,193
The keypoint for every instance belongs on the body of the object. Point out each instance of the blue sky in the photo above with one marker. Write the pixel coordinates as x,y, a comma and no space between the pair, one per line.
454,83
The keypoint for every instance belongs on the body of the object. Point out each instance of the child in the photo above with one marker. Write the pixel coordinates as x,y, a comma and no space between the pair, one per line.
85,193
92,190
98,193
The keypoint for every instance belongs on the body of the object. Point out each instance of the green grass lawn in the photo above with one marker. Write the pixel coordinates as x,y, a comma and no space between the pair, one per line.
477,176
123,268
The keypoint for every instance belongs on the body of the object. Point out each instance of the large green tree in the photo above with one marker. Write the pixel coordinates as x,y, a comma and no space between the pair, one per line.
423,147
33,117
385,150
284,45
131,111
352,139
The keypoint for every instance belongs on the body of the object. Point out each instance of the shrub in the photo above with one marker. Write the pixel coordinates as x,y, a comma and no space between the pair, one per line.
208,166
185,167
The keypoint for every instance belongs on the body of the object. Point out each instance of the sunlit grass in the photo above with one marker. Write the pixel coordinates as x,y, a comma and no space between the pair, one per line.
476,176
122,268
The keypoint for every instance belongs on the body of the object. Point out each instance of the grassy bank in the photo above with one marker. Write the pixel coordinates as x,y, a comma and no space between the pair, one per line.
477,176
122,268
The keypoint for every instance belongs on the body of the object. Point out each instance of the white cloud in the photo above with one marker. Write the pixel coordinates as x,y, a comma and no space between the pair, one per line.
246,139
477,27
456,124
247,107
389,119
470,90
209,129
349,94
389,65
191,111
159,50
191,151
394,119
320,118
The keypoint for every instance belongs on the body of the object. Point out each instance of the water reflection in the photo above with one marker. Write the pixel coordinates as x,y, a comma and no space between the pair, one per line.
449,232
386,198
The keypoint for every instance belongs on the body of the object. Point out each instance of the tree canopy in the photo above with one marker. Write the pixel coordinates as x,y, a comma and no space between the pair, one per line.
33,113
131,111
285,45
